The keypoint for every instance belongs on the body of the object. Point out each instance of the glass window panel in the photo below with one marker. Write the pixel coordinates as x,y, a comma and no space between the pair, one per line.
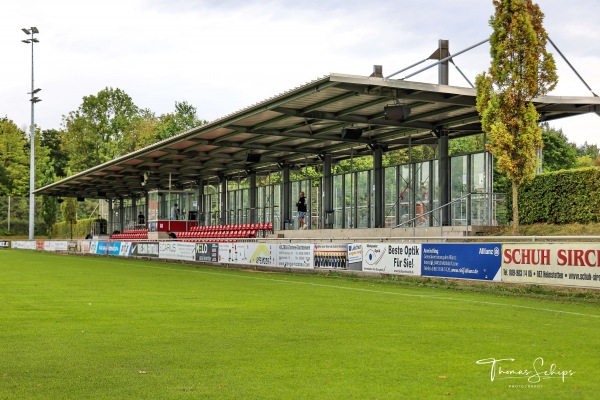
363,192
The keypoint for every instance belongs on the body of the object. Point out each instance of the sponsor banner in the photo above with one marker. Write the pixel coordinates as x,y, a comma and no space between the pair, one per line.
331,255
295,255
24,244
569,264
113,248
145,249
125,250
207,252
99,248
85,246
479,261
172,250
261,254
4,244
55,245
248,253
392,258
230,252
355,253
61,245
73,246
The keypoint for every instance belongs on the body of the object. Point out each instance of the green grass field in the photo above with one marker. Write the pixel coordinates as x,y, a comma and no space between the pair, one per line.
74,327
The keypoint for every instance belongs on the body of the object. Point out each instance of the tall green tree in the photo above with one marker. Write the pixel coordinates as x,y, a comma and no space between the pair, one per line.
183,119
69,212
521,69
95,132
49,205
51,139
143,132
14,160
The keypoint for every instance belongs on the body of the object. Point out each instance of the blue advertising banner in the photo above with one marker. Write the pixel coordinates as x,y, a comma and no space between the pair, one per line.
98,248
479,261
113,248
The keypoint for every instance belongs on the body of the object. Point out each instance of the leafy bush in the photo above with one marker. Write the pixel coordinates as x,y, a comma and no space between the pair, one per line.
561,197
80,229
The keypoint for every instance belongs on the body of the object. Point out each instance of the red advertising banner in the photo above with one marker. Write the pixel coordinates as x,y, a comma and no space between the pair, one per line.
565,264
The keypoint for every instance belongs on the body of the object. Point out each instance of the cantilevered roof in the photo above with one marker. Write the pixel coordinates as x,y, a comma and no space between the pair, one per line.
299,127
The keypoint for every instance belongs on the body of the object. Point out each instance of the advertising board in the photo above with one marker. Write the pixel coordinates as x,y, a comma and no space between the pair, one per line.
248,253
480,261
295,255
331,255
207,252
183,251
392,258
145,249
24,244
567,264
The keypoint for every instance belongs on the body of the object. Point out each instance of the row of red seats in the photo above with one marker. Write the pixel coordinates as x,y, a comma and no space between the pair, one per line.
129,236
222,234
133,231
266,226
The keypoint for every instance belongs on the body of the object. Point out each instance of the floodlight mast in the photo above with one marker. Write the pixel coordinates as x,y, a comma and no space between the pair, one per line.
32,31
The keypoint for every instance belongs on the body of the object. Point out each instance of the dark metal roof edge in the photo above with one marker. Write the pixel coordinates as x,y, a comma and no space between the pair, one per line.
257,107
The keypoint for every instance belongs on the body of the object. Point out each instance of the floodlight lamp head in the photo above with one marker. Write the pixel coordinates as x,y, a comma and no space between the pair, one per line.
27,31
351,133
396,112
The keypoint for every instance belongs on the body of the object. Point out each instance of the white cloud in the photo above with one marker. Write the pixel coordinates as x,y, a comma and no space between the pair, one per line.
223,55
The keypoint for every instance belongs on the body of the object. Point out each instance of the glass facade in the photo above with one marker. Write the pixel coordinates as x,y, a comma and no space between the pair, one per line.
410,193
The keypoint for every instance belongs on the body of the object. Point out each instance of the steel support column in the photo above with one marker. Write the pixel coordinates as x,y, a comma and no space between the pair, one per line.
379,187
253,197
444,174
328,223
286,201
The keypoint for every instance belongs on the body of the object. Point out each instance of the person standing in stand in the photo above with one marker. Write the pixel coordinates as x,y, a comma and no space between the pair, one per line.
301,204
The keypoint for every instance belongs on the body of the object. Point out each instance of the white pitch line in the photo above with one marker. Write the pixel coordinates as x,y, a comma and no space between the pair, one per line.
366,290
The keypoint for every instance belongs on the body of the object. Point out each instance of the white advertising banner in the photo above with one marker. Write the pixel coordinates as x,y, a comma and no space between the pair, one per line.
295,255
55,245
24,244
248,253
232,253
391,258
568,264
184,251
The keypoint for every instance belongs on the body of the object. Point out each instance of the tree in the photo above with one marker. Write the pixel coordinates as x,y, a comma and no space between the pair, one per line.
521,69
51,139
48,209
14,160
590,150
95,132
183,119
558,152
69,211
588,155
143,132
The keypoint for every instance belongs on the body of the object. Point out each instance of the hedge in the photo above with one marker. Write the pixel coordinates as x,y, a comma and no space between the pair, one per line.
561,197
62,230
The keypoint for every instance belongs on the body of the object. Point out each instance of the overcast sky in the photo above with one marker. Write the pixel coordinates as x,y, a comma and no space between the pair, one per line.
225,55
